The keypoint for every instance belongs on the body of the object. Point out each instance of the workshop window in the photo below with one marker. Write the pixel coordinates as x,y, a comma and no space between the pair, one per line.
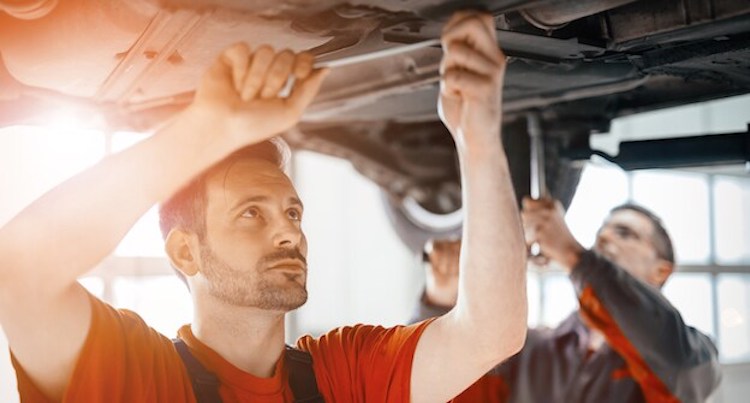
161,300
691,294
681,200
732,220
734,313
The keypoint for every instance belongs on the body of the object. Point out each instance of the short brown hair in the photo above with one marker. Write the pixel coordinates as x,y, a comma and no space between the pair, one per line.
660,238
186,209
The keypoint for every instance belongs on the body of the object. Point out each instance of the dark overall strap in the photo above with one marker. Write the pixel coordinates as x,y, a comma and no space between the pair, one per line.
301,376
206,385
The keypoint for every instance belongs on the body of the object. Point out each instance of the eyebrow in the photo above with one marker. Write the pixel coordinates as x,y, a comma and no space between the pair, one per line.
628,230
295,201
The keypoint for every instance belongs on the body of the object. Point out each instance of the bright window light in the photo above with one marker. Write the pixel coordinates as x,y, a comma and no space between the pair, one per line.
37,159
602,186
533,297
681,200
144,239
94,285
734,311
162,301
559,298
732,219
690,293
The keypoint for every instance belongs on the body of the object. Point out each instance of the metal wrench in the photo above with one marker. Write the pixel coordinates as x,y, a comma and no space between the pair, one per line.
538,188
347,60
378,54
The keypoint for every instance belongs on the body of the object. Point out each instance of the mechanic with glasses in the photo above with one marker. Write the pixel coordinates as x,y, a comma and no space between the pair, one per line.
626,342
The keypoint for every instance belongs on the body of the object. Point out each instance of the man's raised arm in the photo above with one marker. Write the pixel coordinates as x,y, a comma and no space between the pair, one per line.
488,323
66,232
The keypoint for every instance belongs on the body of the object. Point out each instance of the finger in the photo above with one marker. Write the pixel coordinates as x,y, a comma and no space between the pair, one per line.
448,92
457,17
473,31
529,234
527,202
220,73
458,54
535,205
278,74
547,203
468,84
533,219
303,65
237,57
305,90
489,23
261,60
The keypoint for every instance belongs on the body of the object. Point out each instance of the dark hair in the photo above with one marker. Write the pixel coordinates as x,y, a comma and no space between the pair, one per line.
186,209
660,237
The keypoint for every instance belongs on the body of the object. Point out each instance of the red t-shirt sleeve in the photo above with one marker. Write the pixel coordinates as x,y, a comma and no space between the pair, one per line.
122,360
364,363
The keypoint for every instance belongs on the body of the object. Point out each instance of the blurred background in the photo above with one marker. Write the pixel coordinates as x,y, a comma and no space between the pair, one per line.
360,271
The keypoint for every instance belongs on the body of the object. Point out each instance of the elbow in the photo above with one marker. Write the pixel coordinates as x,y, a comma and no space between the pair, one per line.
507,346
519,339
516,340
512,339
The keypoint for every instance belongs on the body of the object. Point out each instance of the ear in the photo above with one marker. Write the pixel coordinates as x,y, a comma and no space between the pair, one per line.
663,270
182,250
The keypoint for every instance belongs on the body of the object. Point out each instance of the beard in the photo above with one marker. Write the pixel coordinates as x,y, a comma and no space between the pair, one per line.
256,288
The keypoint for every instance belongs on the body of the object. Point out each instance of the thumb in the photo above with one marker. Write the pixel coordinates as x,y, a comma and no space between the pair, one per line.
306,90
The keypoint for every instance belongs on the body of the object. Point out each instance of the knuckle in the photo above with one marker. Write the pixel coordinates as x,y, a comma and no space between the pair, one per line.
236,49
264,49
264,53
287,54
305,57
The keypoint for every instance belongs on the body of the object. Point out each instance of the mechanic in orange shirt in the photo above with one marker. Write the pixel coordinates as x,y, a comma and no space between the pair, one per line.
232,221
626,343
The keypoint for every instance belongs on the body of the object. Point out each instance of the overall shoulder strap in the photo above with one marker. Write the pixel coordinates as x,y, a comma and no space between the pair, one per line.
205,384
302,377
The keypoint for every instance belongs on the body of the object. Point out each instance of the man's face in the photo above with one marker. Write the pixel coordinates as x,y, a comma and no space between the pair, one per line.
626,238
254,252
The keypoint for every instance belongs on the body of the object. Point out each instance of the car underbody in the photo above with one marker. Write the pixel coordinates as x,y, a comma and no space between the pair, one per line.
575,65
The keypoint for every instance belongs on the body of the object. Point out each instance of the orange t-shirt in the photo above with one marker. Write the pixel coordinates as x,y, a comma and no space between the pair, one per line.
124,360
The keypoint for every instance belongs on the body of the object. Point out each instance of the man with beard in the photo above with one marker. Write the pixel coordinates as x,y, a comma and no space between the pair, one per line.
232,226
626,343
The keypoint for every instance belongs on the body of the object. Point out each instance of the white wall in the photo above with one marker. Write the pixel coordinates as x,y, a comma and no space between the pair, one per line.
359,271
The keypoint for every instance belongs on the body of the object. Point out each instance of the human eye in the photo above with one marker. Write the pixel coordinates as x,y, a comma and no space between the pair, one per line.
251,212
625,232
294,214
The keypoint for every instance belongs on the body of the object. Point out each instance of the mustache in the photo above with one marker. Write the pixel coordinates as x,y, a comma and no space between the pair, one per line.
283,254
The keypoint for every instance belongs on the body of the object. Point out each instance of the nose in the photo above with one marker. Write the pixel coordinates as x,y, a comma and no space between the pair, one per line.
287,235
603,237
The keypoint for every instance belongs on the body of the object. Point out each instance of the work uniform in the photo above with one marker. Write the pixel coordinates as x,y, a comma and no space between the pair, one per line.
124,360
650,354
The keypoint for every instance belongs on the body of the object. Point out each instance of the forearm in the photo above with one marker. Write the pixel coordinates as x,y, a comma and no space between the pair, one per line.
72,227
492,282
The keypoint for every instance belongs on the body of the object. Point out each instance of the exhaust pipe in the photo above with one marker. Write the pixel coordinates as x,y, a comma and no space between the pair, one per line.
28,9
